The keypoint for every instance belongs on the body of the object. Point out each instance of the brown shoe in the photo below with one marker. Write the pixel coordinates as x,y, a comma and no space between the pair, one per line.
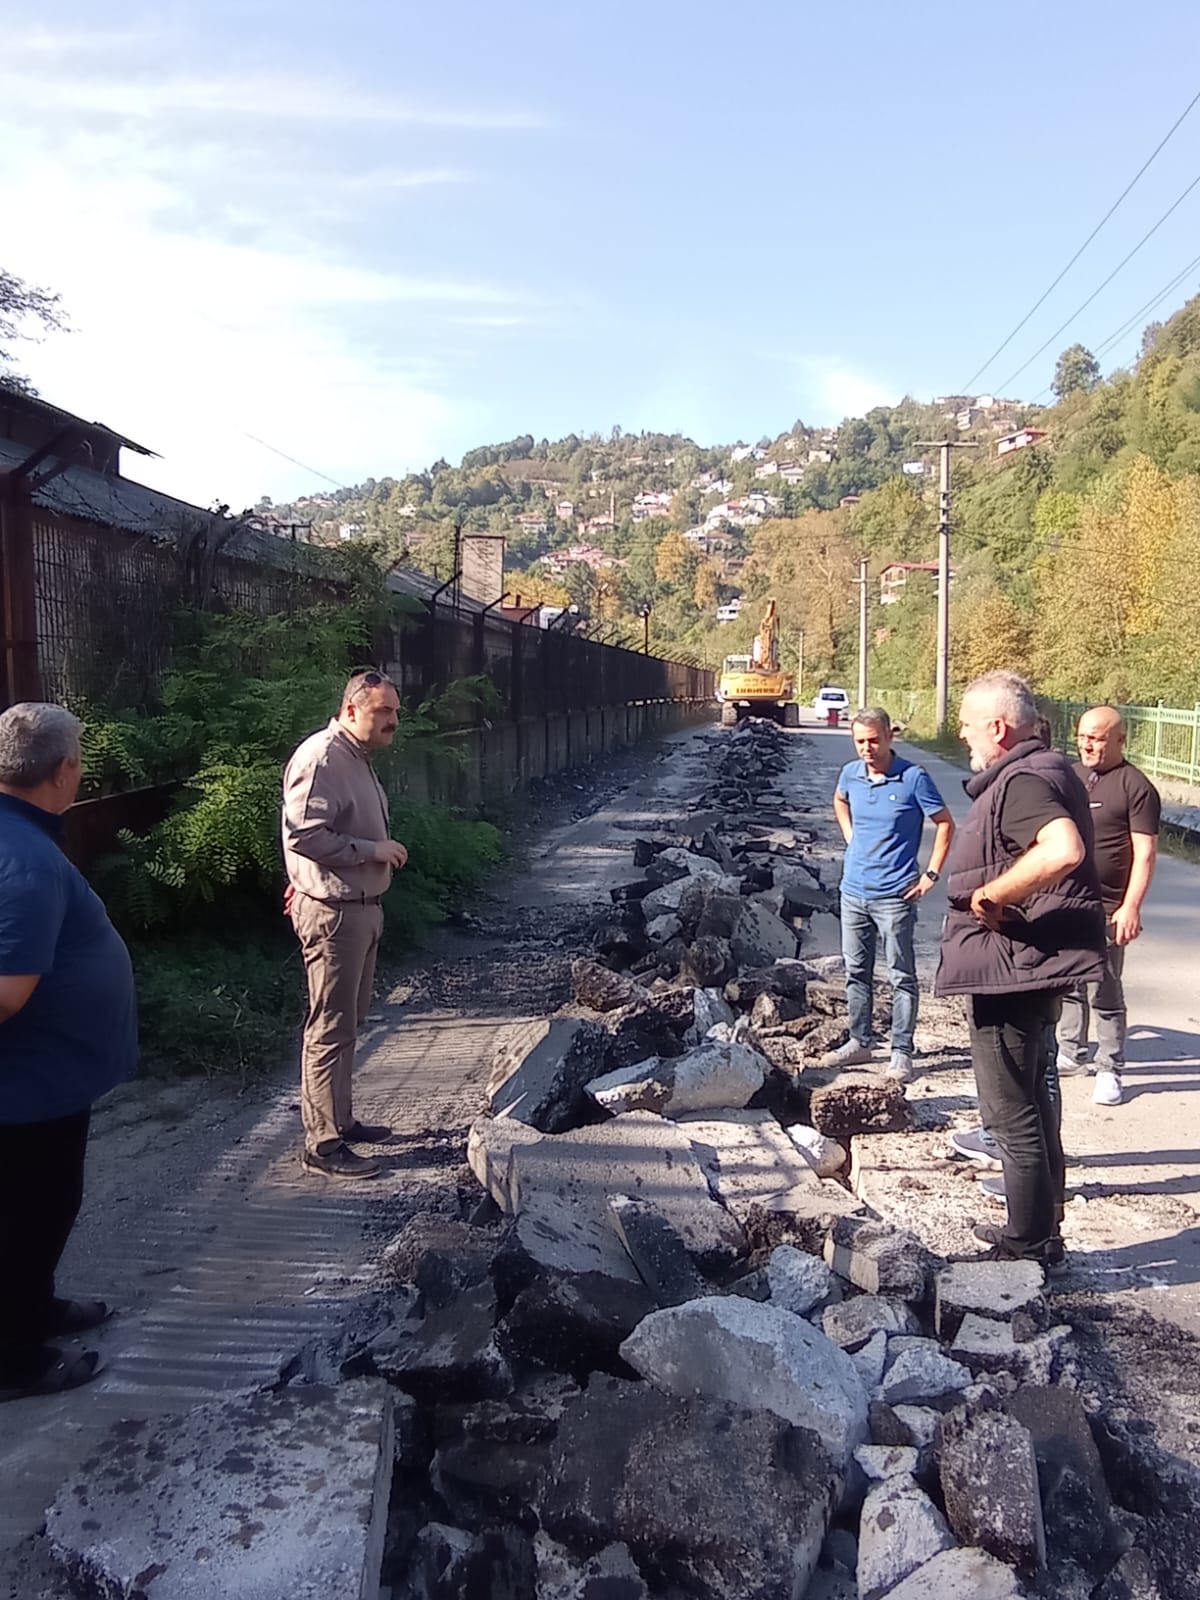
340,1163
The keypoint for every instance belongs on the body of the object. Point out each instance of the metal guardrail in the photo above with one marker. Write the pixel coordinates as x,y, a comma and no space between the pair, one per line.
1163,740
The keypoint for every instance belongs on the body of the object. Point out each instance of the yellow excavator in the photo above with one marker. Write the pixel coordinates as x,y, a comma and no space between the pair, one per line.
756,685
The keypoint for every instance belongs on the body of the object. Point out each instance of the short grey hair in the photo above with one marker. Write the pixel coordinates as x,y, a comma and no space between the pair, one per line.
873,717
35,739
1010,695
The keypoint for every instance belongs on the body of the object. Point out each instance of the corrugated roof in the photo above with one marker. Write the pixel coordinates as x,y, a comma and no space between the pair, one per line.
15,400
407,580
134,508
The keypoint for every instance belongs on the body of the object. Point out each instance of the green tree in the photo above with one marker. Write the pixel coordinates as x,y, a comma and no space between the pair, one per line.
1077,370
26,312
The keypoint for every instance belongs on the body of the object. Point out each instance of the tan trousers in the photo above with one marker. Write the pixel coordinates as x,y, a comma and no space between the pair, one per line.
339,944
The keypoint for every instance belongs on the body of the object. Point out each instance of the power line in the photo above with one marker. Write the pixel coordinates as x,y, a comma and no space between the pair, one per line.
1149,306
1043,298
1131,322
283,455
1174,206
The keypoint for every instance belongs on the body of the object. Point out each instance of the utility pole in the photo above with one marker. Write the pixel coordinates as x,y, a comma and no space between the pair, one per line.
861,580
945,446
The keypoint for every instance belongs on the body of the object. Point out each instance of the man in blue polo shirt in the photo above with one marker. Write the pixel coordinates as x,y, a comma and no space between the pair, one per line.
68,1032
882,803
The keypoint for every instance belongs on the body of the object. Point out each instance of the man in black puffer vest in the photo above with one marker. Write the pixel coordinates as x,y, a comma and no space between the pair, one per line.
1024,924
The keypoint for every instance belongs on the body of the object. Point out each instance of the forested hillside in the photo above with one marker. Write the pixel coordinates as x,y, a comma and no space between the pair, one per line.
1077,529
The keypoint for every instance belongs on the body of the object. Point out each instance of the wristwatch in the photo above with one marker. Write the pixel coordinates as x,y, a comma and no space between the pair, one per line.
931,874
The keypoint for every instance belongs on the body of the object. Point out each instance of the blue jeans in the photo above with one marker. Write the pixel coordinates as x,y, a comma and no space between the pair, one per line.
864,924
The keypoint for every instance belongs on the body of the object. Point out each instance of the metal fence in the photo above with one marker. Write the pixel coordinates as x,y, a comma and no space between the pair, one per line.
105,599
1163,740
94,605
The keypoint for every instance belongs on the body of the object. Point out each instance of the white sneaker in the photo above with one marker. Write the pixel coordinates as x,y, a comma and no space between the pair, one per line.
1108,1089
850,1054
900,1067
1068,1067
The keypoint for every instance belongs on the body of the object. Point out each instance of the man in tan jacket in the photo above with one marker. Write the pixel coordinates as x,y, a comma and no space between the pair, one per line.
339,861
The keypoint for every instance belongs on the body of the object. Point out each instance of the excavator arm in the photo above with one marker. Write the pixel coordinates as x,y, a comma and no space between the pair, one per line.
766,640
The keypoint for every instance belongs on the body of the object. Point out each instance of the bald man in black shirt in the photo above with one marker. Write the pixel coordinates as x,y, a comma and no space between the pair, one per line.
1125,810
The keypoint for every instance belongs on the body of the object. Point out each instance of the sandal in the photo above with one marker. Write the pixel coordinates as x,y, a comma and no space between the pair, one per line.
58,1374
69,1317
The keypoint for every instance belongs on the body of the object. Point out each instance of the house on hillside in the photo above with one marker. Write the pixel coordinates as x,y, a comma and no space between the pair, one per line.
893,580
792,472
565,510
1020,440
650,503
915,469
585,555
741,452
766,469
819,455
848,500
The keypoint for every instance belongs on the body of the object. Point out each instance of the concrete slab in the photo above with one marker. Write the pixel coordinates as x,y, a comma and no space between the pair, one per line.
647,1157
272,1497
747,1157
490,1144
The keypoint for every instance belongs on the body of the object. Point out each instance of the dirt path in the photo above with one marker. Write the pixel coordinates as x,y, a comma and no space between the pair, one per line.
199,1223
225,1258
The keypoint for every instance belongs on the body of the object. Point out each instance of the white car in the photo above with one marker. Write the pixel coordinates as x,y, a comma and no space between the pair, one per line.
827,700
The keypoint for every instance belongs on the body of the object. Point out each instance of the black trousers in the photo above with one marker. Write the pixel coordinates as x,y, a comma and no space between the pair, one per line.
1011,1050
41,1189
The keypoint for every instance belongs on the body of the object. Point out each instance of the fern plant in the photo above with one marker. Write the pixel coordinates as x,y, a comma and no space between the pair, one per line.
242,692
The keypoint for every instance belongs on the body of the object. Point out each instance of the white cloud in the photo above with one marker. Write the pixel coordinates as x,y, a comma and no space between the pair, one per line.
842,391
377,182
157,95
206,301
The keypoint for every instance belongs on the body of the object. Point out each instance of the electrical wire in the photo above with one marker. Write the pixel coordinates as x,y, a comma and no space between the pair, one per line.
283,455
1131,322
1115,338
1124,262
1044,297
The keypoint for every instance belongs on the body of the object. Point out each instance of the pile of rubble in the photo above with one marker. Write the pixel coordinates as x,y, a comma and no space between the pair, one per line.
671,1354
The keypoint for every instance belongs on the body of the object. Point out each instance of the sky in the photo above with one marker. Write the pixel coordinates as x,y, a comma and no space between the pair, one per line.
367,235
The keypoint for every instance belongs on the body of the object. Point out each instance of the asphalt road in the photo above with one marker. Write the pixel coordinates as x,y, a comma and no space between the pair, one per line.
1135,1167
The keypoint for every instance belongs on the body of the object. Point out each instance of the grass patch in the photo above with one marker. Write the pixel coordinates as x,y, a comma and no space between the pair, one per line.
948,746
1180,843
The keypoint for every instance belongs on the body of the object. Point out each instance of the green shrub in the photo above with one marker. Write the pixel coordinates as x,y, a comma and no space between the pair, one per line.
447,855
219,976
218,1006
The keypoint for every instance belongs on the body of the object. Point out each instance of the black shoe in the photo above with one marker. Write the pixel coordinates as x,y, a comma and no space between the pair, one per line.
340,1163
1050,1255
51,1372
69,1317
367,1133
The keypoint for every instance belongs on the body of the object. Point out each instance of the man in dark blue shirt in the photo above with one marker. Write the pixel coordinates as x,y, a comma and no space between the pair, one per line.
68,1033
882,803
